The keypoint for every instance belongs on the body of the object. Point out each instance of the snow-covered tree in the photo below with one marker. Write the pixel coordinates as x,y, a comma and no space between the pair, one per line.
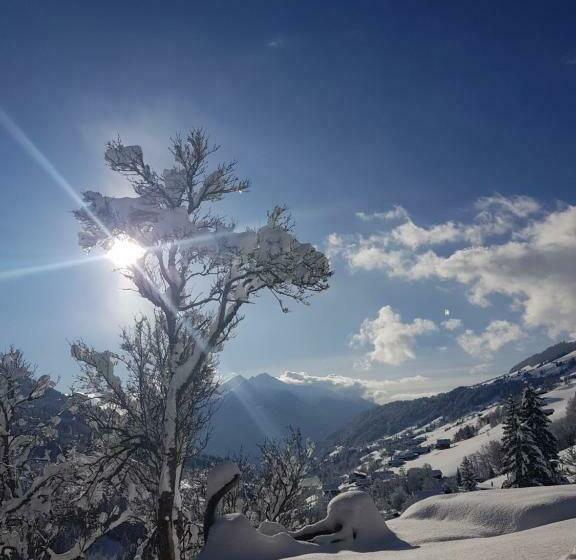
543,469
46,511
530,448
198,272
27,477
467,475
125,418
511,442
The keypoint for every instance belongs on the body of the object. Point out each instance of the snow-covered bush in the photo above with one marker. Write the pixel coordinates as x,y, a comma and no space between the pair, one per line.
277,493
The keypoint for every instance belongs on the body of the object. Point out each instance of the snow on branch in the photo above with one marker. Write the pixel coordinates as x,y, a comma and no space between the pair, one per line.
102,362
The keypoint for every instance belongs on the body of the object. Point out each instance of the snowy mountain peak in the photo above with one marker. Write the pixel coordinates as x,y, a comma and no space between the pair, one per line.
233,383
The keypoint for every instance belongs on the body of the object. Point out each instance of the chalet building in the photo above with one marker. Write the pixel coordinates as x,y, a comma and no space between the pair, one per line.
443,444
420,449
357,476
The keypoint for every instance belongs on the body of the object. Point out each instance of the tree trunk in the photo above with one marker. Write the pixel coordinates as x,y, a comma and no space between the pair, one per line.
168,548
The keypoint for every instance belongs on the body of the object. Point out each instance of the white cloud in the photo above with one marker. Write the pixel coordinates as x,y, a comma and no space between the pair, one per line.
496,335
532,262
397,213
377,390
451,324
520,206
496,215
411,396
391,339
413,236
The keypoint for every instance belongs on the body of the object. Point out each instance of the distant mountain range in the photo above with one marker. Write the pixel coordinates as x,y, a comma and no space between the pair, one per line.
253,409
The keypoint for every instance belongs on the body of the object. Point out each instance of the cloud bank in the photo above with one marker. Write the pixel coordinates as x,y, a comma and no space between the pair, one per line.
378,391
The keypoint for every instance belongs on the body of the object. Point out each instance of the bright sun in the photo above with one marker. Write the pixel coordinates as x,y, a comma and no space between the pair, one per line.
124,252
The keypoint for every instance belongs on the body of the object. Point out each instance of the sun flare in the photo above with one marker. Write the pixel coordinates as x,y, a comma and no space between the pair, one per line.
124,252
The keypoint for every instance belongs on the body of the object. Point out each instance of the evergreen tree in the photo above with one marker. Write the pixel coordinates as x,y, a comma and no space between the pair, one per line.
467,475
531,456
533,466
519,450
544,465
458,478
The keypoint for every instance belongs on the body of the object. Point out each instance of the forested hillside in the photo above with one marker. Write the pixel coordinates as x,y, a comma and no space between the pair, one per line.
393,417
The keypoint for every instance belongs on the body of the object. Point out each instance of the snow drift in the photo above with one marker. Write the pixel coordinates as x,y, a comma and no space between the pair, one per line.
487,513
549,542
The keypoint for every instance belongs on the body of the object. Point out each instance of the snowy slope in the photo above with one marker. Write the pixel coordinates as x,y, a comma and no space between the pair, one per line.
448,460
391,418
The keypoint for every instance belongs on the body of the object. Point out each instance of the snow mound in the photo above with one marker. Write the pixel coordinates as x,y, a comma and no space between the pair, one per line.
219,476
233,538
353,522
487,513
271,528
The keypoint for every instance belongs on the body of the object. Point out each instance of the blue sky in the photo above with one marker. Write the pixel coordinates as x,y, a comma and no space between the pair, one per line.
333,109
